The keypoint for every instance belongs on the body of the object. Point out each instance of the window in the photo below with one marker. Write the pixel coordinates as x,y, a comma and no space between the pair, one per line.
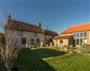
61,41
81,41
32,41
81,34
23,40
37,41
85,34
77,34
77,41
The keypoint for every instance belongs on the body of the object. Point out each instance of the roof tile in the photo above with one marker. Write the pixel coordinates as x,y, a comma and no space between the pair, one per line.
78,28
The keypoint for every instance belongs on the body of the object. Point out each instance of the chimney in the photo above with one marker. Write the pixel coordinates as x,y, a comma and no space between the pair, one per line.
9,17
40,25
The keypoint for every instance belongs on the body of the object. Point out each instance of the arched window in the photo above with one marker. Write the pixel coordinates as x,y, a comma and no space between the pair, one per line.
23,40
37,41
32,41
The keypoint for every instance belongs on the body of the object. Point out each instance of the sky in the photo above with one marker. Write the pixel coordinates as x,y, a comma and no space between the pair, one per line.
56,15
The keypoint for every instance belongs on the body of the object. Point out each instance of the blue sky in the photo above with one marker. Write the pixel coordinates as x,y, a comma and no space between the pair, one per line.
56,15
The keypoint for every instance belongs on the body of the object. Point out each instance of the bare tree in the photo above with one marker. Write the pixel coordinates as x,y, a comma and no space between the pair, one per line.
8,49
9,44
2,47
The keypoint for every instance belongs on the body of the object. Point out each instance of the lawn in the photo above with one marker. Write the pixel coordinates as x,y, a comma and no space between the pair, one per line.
45,59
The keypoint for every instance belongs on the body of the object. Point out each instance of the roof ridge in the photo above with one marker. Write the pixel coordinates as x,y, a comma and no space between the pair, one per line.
76,27
24,26
80,24
25,23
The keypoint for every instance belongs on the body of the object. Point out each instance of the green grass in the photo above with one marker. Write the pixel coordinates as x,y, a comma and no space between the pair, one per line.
45,59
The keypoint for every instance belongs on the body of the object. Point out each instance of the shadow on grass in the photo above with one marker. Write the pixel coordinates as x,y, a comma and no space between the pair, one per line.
46,52
31,60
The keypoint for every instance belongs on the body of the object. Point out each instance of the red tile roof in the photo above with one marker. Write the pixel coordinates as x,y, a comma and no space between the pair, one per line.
22,26
78,28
